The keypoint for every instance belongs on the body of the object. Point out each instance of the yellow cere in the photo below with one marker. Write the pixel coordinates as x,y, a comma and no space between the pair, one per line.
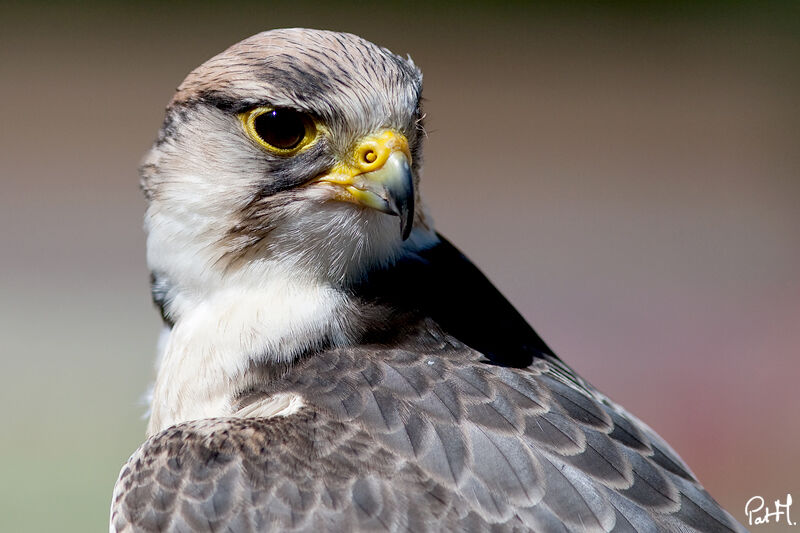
353,176
372,152
369,155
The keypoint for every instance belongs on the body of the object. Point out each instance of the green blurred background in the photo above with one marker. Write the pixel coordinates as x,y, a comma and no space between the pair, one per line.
627,173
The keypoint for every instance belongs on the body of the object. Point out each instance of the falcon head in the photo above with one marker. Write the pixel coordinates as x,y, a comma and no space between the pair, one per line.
295,151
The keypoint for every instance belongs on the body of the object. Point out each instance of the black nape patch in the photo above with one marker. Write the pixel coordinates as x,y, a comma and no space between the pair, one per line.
441,283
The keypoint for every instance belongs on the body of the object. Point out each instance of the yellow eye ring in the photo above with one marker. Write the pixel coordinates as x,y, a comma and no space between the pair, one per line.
280,130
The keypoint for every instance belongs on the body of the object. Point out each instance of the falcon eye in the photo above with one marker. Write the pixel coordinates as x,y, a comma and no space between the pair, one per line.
279,130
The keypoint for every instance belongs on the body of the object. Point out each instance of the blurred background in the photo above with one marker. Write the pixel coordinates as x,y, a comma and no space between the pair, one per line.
627,173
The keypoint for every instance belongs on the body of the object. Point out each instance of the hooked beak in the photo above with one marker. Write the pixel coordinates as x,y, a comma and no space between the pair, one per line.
379,177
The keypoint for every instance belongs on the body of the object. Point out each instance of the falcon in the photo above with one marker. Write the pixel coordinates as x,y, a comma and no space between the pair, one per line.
331,363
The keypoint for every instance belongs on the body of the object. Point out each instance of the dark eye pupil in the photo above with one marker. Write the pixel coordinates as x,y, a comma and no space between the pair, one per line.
282,128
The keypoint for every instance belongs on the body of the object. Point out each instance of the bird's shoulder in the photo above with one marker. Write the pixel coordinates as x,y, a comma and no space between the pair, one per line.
423,434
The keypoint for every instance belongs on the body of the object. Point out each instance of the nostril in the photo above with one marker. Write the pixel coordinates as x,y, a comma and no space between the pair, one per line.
370,156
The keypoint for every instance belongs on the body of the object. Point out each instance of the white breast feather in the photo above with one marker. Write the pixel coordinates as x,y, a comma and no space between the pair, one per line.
214,343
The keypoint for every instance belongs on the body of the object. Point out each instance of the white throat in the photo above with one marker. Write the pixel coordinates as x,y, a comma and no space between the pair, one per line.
212,345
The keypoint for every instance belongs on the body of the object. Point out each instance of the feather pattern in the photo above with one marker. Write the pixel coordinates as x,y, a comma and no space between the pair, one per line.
387,441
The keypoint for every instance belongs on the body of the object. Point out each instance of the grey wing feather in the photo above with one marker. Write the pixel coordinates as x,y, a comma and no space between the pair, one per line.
419,437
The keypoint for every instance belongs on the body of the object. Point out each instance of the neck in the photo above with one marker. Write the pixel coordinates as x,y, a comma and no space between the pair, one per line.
272,317
212,345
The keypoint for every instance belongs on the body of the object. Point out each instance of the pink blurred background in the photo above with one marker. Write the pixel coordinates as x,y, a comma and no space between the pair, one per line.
629,177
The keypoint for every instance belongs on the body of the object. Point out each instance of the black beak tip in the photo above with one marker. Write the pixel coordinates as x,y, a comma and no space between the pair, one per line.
407,218
399,198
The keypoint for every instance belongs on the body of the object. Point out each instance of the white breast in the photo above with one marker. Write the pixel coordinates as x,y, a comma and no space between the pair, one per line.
213,343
